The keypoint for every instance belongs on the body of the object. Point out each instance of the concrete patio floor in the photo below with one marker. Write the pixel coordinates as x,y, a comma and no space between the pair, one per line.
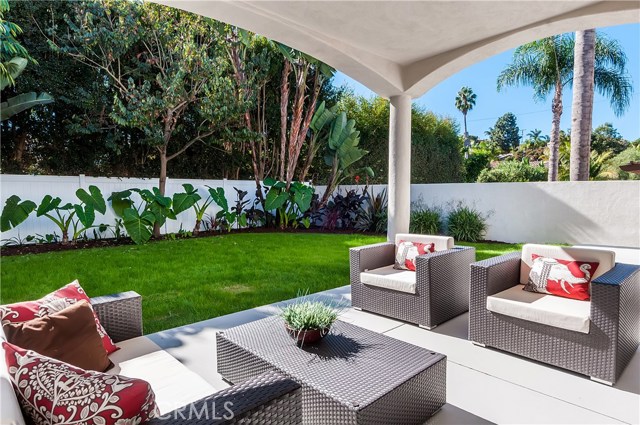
483,385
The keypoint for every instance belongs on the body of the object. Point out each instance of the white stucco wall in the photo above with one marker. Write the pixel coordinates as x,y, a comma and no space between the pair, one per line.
598,212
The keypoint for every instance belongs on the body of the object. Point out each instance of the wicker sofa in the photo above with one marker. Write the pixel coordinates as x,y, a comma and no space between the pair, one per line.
596,338
269,398
437,291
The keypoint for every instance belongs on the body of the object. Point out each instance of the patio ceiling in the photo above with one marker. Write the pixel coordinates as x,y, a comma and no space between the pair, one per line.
407,47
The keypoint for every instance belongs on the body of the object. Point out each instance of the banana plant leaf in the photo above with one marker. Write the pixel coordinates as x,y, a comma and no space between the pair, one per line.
15,212
86,215
93,198
218,197
186,200
138,226
15,67
22,102
47,205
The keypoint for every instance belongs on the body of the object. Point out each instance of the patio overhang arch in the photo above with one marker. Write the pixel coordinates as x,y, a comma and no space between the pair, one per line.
401,49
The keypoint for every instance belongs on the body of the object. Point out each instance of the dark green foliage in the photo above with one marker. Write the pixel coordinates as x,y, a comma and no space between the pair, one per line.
426,220
475,164
466,224
372,216
513,171
606,138
505,133
436,148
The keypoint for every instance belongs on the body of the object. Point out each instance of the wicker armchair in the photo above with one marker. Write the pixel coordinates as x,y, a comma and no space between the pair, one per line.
440,287
602,352
269,398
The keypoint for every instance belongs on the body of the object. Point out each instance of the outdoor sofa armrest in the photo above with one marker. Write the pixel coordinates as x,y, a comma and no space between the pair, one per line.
615,305
488,277
269,398
442,266
371,257
120,314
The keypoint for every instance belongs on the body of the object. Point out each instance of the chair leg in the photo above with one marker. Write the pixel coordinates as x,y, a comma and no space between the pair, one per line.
601,381
479,344
427,327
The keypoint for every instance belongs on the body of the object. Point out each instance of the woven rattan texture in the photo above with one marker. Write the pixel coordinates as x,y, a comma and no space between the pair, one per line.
442,285
269,398
120,314
352,376
603,353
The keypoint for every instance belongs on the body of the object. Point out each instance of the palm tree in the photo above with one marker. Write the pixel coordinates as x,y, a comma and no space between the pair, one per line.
534,135
547,66
465,101
601,62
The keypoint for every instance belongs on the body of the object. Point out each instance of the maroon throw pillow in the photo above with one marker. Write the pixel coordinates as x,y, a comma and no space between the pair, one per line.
54,302
564,278
46,387
69,335
406,253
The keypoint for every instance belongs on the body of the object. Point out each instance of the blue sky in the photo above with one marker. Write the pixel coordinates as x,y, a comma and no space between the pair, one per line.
531,114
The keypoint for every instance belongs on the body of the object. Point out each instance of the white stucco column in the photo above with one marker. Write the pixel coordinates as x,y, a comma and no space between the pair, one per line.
399,165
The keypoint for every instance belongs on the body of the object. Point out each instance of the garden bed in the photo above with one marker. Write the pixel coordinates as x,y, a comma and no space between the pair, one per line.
38,248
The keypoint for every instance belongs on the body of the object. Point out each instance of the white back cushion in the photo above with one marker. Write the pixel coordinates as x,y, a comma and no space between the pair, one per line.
441,243
605,258
9,407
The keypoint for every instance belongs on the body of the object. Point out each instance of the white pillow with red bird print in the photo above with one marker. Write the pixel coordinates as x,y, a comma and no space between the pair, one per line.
407,252
564,278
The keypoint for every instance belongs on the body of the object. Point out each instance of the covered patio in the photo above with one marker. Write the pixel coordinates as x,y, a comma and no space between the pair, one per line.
483,385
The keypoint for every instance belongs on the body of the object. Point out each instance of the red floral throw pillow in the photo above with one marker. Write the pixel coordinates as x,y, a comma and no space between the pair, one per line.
564,278
52,303
51,391
407,252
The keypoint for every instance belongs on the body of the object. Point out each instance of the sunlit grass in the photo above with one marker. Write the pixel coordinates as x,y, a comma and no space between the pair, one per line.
188,280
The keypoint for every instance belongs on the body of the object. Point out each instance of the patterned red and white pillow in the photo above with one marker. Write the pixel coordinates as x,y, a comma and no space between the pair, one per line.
51,391
564,278
52,303
406,253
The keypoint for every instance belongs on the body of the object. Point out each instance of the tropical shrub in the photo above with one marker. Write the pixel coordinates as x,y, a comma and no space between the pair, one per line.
139,221
341,212
426,220
513,171
15,211
290,203
372,216
632,153
465,223
77,217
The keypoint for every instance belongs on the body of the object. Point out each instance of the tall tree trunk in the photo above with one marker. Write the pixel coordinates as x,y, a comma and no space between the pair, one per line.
466,136
582,105
554,141
162,183
21,145
284,103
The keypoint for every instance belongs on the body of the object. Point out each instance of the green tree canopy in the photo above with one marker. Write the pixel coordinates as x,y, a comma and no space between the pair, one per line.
605,138
505,133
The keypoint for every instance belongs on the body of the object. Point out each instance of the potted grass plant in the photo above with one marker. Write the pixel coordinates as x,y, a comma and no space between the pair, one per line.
308,321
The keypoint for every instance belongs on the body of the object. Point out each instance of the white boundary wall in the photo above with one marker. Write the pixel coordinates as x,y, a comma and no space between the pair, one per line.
35,188
594,212
603,213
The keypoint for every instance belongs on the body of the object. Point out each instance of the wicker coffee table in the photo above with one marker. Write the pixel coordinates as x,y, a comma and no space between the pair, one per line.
352,376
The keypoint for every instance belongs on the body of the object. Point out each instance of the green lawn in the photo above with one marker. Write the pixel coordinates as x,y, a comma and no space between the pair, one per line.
189,280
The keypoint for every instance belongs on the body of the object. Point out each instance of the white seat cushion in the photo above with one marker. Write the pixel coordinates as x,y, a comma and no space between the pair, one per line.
172,382
390,278
545,309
